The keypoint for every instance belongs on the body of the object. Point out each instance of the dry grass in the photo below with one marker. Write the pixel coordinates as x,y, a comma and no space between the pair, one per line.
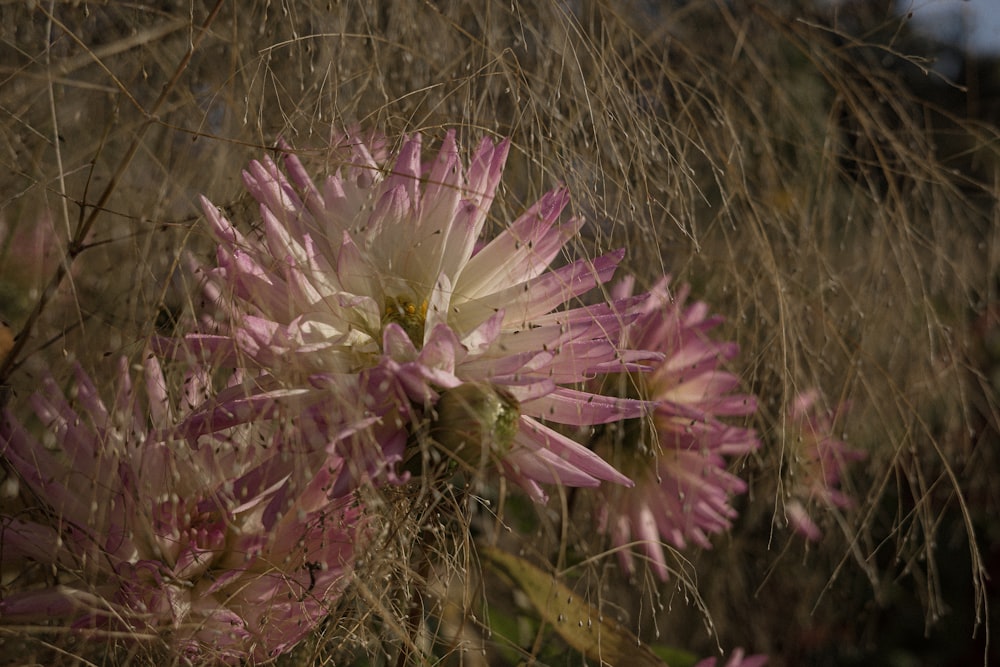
840,216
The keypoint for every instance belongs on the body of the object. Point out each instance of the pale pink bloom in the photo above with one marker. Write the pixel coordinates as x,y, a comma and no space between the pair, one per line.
29,254
678,458
229,551
737,659
815,463
381,279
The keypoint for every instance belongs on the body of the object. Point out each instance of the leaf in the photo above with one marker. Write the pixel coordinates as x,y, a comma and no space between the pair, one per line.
578,622
507,627
675,656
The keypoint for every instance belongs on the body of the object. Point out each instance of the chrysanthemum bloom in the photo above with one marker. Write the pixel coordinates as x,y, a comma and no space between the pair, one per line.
29,255
381,279
227,552
815,463
677,458
737,659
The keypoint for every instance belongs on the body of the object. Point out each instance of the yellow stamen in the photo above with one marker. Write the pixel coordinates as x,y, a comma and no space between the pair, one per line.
408,315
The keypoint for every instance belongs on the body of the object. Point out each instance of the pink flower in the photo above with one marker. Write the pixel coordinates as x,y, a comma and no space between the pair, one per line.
29,254
816,462
228,551
677,458
737,659
379,281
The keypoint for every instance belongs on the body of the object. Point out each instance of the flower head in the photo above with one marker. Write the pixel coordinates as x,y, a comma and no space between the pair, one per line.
678,456
228,551
28,256
816,463
737,659
379,277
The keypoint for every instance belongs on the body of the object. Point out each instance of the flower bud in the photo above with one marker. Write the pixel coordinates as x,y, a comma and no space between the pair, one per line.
475,422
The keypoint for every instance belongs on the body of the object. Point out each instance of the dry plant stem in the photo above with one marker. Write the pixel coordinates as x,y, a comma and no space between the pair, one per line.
387,617
76,244
78,660
978,569
414,617
60,73
540,636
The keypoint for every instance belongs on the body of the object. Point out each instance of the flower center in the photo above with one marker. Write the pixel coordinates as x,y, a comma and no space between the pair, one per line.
187,537
408,315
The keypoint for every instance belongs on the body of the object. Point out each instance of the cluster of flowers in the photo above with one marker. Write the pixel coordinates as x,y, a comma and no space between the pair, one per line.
816,462
222,547
365,309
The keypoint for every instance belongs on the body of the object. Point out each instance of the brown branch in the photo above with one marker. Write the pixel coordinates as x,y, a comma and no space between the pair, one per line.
76,244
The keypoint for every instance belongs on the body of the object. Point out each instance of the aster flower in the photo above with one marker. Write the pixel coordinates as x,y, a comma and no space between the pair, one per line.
678,457
737,659
228,551
28,255
380,281
817,460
